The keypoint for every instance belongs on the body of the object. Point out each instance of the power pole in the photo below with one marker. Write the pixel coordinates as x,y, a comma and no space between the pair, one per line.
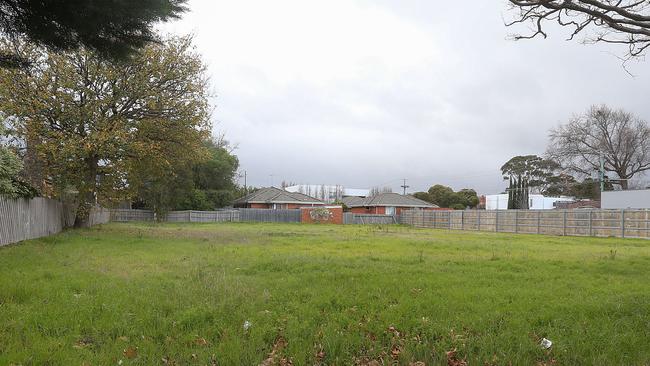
404,186
602,173
245,184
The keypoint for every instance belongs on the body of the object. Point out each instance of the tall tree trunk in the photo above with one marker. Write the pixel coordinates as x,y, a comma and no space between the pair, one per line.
87,192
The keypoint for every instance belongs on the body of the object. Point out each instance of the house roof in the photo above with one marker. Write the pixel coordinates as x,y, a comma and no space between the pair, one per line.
387,199
276,195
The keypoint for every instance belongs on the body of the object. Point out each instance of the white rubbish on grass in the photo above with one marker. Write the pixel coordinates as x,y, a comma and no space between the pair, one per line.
247,325
546,343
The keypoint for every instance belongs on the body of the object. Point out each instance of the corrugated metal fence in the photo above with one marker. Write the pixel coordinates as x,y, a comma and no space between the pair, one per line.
23,219
627,223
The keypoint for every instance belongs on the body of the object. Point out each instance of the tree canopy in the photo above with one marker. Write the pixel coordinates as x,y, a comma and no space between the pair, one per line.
619,137
444,196
98,126
624,22
11,184
206,184
538,173
112,29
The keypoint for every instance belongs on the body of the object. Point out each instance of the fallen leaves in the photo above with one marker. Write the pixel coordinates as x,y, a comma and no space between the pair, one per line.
130,352
452,359
84,342
200,341
274,357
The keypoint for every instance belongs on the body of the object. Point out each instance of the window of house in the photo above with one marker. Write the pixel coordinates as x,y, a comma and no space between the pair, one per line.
390,210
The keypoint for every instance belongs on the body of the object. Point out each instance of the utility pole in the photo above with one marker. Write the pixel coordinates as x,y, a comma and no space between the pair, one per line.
602,173
245,184
404,186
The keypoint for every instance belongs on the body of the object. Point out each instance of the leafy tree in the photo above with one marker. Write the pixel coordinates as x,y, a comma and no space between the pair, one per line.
205,184
99,126
10,167
441,195
424,196
538,173
623,22
114,29
518,193
468,197
444,196
587,189
219,170
619,137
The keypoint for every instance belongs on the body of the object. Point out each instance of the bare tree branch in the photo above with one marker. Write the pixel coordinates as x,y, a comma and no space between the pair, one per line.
610,21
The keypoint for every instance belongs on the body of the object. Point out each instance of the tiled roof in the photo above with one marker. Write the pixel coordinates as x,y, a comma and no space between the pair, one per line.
276,195
387,199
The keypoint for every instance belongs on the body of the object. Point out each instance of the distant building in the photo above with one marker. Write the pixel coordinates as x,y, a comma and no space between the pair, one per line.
386,204
625,199
536,201
328,193
276,198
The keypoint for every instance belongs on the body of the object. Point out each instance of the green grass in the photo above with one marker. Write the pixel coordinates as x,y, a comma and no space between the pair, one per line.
180,294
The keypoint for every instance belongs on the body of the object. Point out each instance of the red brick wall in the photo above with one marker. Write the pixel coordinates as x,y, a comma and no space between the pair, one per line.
359,210
336,216
258,205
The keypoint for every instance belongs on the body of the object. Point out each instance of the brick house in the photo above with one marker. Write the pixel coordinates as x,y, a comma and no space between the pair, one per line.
276,198
386,204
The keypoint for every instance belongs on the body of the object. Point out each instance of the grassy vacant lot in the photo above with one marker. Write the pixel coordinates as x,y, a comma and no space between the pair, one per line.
180,295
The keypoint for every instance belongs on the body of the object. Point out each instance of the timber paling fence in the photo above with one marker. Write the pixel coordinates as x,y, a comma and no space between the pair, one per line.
233,215
23,219
242,215
368,219
628,223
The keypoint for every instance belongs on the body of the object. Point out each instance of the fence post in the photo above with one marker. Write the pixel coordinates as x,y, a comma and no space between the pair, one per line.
496,221
591,231
462,220
516,221
478,218
435,223
449,219
622,223
564,223
539,221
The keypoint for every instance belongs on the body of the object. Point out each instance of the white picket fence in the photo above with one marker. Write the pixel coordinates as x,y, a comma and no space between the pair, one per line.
23,219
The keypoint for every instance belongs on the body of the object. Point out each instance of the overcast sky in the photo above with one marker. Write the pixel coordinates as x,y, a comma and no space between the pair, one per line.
365,93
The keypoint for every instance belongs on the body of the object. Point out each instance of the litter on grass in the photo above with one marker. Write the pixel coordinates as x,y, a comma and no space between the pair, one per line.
546,343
